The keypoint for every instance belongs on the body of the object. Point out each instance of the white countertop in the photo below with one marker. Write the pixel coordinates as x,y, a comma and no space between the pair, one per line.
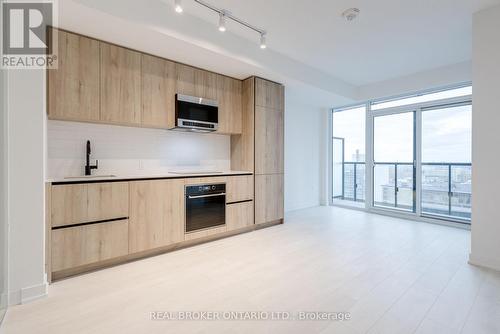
145,175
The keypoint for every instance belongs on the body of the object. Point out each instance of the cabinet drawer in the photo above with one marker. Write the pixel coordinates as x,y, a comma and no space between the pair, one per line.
83,203
69,204
107,201
239,215
239,188
81,245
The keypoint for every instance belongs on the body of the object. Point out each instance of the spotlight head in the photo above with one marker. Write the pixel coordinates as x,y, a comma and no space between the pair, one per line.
222,22
178,6
263,44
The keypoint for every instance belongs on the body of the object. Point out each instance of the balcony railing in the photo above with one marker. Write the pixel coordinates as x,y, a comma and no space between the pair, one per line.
353,181
446,187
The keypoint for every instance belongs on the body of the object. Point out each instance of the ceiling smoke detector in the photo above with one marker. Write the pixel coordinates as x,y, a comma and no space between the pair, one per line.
350,14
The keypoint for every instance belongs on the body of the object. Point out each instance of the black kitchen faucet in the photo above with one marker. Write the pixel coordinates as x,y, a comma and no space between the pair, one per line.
88,167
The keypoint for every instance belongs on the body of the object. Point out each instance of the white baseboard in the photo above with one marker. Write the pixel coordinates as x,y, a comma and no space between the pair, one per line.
28,294
485,262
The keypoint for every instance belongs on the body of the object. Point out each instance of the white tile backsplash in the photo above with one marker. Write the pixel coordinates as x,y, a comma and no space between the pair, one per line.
128,150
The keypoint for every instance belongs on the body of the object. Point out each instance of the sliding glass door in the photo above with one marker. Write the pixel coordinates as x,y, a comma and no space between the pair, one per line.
393,166
348,152
446,161
417,160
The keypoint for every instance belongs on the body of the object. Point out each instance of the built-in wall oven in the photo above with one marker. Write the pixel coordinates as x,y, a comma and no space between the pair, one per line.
205,206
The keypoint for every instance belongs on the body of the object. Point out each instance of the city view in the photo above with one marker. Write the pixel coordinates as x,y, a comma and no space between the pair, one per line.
446,168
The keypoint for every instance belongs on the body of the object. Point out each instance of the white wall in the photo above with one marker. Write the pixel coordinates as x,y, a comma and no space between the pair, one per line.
3,193
26,114
435,78
126,150
485,139
305,154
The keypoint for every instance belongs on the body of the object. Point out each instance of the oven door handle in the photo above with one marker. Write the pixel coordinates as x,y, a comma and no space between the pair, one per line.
205,196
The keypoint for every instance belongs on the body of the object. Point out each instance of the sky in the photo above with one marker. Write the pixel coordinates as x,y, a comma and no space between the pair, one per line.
446,135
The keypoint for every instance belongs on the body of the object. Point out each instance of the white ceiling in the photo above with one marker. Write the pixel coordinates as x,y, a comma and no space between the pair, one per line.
310,47
390,38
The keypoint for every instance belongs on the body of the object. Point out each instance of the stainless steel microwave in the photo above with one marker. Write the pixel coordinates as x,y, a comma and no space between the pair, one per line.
196,113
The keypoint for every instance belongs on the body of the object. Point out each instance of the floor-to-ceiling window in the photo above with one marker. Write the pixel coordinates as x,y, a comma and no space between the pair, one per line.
419,150
394,154
348,152
446,161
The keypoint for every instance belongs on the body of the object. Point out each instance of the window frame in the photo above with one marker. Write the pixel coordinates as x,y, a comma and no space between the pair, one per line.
418,108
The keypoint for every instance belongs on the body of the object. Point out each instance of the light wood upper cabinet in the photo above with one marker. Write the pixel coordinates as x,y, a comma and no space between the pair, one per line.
269,141
107,201
120,90
268,198
196,82
185,79
269,151
229,93
269,94
159,85
81,245
103,83
156,214
69,204
205,84
73,88
242,146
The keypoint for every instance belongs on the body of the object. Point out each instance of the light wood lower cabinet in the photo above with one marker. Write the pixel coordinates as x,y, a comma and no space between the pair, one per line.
205,233
268,198
82,245
107,201
239,215
156,214
94,222
69,204
83,203
239,188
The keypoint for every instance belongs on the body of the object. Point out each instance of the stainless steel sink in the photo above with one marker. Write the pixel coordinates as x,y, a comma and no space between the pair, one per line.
89,177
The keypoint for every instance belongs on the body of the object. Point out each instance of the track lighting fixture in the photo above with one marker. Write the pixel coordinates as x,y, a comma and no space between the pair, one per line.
223,15
263,44
222,21
178,6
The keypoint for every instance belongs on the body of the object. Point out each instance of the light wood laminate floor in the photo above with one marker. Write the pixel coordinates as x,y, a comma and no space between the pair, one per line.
392,275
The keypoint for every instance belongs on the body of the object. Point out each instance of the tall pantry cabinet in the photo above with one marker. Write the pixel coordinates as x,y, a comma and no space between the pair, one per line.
260,147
